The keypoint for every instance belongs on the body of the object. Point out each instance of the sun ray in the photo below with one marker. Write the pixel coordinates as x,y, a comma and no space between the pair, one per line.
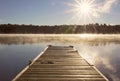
84,12
83,9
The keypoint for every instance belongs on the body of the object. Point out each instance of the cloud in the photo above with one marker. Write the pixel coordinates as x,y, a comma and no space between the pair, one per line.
115,78
103,7
106,6
103,62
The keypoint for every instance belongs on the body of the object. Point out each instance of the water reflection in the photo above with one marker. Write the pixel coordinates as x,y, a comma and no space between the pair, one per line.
102,51
105,58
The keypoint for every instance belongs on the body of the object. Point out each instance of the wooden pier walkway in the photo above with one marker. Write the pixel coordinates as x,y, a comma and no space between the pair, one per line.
60,63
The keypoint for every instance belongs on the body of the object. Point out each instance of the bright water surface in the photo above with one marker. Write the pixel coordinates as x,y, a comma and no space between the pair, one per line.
101,50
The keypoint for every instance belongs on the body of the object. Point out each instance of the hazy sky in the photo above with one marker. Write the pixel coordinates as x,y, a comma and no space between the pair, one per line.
51,12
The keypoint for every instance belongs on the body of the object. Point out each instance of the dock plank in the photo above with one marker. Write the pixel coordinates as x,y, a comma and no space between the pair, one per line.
60,63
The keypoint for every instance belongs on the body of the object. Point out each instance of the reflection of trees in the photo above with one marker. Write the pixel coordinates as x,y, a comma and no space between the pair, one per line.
58,29
28,39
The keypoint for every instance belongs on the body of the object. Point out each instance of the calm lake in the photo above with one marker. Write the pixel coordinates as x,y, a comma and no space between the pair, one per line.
101,50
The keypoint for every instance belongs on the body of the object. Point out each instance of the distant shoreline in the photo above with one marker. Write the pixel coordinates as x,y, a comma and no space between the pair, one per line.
60,29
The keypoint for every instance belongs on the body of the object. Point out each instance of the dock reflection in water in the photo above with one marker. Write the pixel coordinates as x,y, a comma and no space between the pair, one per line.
100,50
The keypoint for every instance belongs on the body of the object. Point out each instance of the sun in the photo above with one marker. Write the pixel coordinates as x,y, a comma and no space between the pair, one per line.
83,10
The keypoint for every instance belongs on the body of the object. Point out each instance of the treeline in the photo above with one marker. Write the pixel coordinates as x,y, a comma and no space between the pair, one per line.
59,29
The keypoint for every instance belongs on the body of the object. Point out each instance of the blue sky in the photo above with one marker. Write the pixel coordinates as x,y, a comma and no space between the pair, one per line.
52,12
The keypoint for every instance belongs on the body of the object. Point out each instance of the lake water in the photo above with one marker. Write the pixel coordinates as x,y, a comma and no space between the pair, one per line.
101,50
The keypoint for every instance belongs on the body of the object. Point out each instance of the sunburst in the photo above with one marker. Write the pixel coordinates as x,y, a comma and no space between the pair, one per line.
84,10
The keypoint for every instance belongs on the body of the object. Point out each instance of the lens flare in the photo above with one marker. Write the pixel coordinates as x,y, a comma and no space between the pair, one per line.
83,10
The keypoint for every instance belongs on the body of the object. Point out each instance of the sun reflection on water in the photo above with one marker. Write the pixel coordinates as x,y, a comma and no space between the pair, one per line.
86,35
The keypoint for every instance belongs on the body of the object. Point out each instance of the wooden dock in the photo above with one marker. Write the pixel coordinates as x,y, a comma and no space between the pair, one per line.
60,63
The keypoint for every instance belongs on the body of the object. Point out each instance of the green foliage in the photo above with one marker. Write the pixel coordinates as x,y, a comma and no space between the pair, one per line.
69,29
59,29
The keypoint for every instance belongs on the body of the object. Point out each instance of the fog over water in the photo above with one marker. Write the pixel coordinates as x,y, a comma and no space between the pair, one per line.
101,50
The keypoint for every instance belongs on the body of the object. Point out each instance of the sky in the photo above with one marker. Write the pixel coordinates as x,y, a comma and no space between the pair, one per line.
56,12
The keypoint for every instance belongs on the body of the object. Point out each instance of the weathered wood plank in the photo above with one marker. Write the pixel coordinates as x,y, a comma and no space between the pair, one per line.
62,76
61,79
60,67
60,63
